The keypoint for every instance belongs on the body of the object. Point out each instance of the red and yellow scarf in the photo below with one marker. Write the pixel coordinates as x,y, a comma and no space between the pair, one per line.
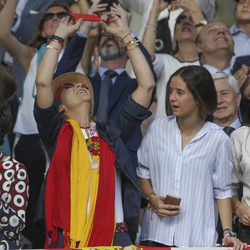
80,196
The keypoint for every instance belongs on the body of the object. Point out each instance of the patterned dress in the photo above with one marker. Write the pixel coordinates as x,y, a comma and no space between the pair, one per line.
13,201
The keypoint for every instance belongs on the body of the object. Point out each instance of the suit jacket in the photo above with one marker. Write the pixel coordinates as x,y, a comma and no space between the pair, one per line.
120,91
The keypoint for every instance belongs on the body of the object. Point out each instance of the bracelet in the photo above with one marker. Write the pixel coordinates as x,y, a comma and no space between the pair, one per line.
49,46
58,38
227,232
148,196
151,24
125,36
53,40
131,45
130,42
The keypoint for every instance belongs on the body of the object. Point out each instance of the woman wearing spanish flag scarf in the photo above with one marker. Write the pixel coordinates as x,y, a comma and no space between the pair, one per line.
80,185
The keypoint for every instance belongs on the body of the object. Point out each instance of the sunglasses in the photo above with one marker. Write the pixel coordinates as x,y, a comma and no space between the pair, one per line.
182,18
71,85
67,86
50,16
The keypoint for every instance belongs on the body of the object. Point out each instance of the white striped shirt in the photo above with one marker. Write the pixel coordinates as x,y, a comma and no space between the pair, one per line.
199,174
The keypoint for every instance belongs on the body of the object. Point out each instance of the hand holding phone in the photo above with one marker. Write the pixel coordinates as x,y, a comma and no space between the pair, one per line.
172,200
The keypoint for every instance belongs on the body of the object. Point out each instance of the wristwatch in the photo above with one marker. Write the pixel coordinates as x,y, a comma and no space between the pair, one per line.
201,23
227,232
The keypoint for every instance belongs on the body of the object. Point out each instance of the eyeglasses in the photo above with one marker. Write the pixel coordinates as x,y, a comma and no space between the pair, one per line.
50,16
182,17
67,86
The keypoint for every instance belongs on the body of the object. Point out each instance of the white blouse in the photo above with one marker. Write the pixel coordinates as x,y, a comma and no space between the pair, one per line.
199,174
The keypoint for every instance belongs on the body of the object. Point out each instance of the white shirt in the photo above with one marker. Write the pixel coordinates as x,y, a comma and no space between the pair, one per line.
25,121
213,71
165,65
241,43
199,174
241,162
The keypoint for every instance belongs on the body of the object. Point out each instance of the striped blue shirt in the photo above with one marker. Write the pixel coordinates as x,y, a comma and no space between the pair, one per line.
199,174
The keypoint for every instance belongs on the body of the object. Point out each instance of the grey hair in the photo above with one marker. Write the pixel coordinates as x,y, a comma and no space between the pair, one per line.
231,80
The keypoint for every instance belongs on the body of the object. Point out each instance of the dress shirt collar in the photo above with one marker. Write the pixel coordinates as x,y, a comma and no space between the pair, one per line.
208,126
213,71
234,30
235,124
102,70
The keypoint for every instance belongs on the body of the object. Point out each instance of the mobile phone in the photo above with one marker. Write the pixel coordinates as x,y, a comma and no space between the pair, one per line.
172,200
168,1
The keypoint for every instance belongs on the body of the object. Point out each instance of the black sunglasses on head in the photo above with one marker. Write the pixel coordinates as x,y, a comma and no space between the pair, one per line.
59,15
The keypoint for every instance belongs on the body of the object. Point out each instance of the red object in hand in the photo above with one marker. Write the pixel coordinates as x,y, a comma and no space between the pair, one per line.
86,17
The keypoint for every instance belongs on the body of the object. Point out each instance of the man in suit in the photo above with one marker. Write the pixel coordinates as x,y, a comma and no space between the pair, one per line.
113,57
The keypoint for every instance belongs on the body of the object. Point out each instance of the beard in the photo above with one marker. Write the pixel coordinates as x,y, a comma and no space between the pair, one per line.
111,52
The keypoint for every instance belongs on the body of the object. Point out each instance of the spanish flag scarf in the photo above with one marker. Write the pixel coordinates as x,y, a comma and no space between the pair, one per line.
80,192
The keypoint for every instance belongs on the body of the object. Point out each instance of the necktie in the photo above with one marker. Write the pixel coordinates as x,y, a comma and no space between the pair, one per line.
228,130
102,111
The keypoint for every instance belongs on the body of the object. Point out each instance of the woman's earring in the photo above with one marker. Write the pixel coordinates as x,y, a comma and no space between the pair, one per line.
61,109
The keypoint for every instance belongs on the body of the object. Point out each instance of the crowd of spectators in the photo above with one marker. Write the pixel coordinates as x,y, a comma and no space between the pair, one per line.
99,124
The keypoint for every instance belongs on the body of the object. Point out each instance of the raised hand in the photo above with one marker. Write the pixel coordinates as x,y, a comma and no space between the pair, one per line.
241,75
67,27
97,7
123,14
114,25
189,5
160,5
91,28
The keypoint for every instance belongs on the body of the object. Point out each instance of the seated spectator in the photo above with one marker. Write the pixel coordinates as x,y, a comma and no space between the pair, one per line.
80,213
241,176
14,178
187,156
228,101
